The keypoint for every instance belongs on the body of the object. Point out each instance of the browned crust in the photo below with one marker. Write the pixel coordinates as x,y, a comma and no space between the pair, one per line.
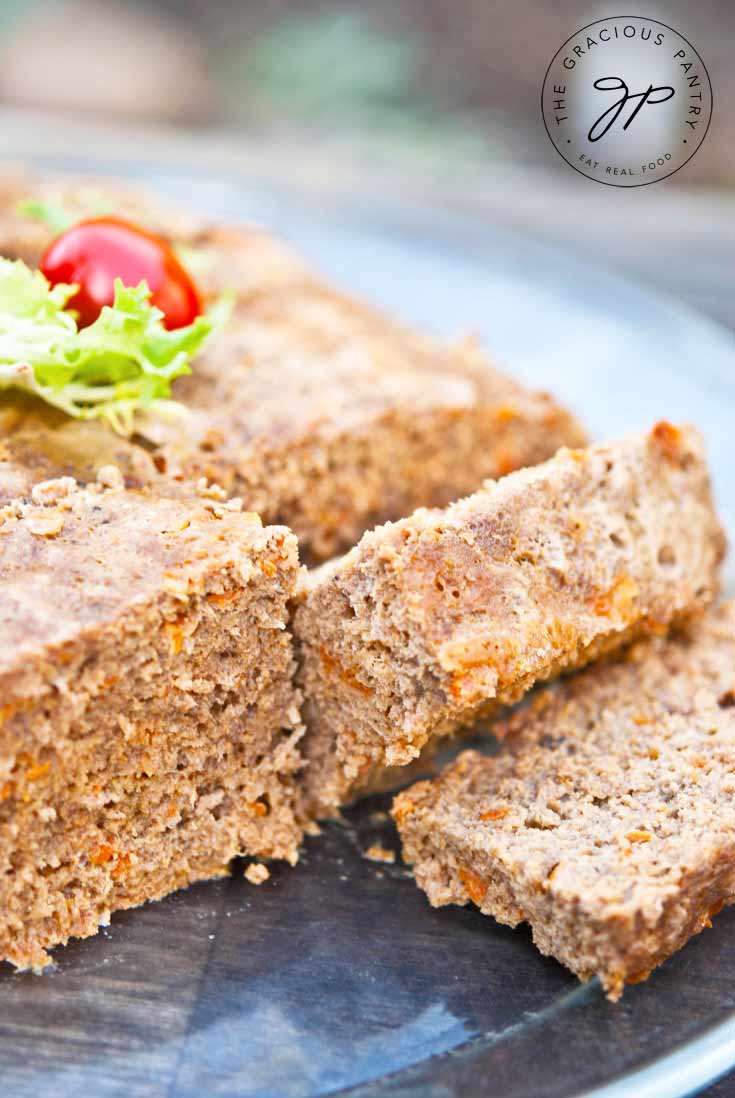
447,614
606,821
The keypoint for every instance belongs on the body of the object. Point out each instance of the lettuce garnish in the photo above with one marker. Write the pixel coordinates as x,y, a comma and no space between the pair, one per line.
122,363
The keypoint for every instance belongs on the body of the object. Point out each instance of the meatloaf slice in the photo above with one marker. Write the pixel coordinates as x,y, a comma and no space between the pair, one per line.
607,821
148,718
431,621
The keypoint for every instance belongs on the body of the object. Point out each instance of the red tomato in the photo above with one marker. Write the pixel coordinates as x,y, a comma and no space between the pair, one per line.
94,253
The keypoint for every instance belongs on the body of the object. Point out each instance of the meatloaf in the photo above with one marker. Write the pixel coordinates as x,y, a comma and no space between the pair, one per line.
607,821
319,413
432,621
148,718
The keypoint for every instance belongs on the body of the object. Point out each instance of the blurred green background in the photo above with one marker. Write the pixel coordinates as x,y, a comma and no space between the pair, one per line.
442,84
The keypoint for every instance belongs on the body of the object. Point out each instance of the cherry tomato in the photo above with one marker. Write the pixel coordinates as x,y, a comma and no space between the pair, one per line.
94,253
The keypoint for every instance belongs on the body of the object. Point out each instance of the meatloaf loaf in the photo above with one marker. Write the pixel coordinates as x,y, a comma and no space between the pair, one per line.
148,718
317,412
431,621
607,821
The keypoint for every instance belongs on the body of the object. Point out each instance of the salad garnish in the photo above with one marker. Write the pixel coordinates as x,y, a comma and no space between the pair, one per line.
121,363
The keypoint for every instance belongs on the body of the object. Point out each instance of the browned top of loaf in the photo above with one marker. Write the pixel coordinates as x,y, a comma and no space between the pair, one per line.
74,558
613,788
297,360
533,568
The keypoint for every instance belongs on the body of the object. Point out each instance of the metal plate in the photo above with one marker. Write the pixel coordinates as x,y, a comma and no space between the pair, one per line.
337,976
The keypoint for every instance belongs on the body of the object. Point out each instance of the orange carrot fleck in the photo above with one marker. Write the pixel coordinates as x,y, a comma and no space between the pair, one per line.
474,885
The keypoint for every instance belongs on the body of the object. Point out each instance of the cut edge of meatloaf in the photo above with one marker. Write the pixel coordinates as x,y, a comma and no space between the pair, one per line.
606,821
433,621
318,412
149,723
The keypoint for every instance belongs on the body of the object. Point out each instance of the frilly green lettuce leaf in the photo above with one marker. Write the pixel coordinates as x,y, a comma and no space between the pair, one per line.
122,363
